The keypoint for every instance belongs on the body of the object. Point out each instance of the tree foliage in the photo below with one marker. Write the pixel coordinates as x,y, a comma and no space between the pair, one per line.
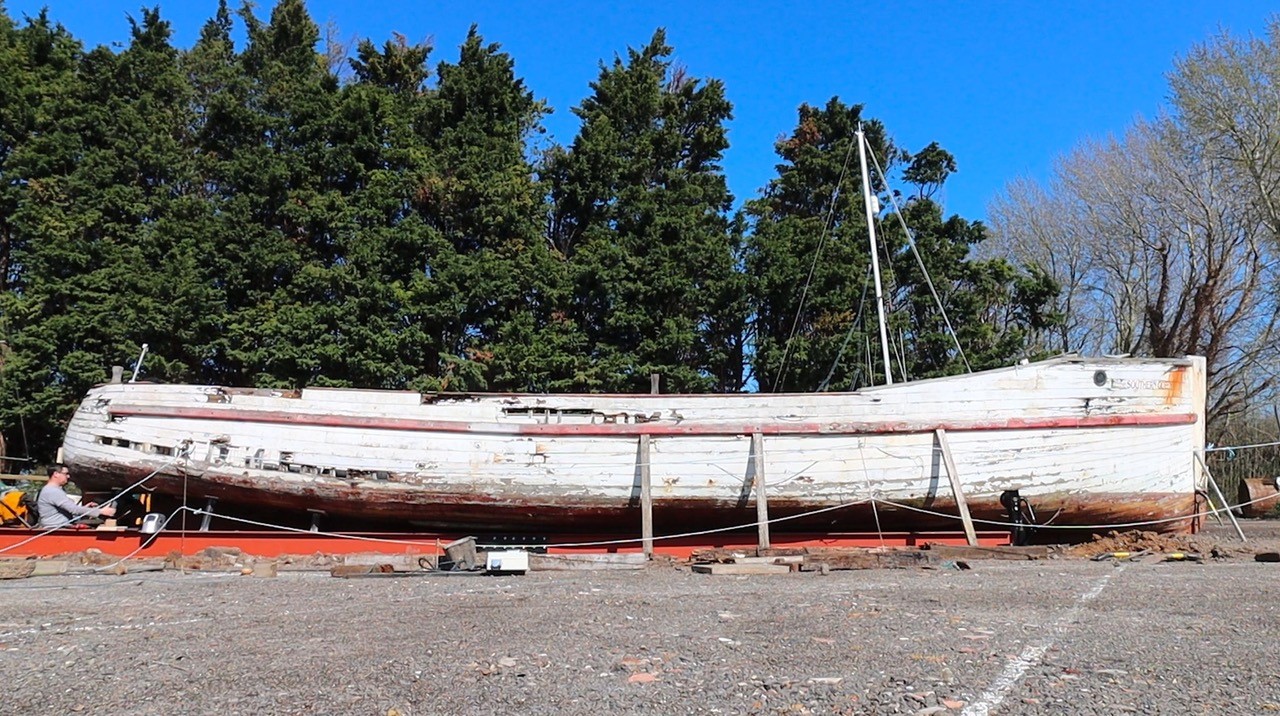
257,214
808,260
640,212
1165,239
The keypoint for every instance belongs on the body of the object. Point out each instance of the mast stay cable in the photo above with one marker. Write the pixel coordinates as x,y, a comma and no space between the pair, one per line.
897,211
817,256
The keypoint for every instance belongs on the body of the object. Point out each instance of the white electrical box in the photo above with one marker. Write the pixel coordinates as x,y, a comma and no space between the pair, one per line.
509,561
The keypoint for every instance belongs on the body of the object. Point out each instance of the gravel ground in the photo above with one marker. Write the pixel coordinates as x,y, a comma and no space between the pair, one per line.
1048,637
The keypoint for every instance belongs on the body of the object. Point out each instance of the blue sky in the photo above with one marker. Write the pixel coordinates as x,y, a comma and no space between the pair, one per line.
1005,86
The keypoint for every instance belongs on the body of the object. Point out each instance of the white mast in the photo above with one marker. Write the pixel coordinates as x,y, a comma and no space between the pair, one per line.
867,200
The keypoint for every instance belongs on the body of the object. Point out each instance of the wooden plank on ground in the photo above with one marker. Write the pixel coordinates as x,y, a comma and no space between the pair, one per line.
949,551
49,567
776,559
723,554
17,568
585,562
398,562
741,569
23,568
867,559
347,571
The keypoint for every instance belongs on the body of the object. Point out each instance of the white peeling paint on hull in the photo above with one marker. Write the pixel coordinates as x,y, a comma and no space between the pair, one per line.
1069,432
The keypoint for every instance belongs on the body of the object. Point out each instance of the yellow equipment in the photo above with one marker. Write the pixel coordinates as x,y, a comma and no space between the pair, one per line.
13,508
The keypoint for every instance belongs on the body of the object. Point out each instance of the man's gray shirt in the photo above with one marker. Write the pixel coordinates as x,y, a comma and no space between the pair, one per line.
57,509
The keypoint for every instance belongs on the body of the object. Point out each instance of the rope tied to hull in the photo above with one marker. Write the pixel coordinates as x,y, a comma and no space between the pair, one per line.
113,498
873,501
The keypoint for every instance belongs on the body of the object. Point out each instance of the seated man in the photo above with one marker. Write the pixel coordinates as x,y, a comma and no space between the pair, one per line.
57,509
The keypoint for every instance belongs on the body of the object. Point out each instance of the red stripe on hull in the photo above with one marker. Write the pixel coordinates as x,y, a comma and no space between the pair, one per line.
657,429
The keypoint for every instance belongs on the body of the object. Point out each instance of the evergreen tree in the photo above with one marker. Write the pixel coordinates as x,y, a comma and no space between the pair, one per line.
37,63
808,257
488,210
283,329
107,264
815,323
640,211
391,299
225,140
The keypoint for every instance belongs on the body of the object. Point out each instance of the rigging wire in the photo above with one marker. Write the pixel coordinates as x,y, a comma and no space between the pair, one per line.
857,321
26,448
813,266
1230,448
897,210
871,500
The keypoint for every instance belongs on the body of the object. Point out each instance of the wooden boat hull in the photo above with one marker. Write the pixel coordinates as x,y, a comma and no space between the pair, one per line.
1087,442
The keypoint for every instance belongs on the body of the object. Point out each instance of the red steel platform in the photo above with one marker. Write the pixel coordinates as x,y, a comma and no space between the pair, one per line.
19,542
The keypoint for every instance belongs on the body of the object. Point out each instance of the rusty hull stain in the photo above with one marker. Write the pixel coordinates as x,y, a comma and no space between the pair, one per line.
476,509
1177,378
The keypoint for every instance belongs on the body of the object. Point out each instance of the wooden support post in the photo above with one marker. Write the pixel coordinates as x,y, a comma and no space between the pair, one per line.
762,497
962,504
1226,506
209,504
646,498
654,383
316,516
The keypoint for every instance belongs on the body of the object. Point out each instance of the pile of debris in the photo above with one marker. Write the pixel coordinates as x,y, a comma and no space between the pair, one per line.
1139,542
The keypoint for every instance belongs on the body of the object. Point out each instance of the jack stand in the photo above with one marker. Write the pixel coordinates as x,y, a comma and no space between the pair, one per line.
1020,514
209,502
315,519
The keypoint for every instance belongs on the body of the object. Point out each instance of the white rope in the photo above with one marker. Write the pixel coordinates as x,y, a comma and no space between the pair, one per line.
1241,447
77,518
629,540
426,540
1117,525
873,501
698,533
342,535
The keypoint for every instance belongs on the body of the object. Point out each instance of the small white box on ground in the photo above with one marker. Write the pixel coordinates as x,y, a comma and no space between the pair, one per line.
509,561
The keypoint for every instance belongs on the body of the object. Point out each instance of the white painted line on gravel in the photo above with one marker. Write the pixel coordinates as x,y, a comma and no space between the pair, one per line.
106,627
1031,655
